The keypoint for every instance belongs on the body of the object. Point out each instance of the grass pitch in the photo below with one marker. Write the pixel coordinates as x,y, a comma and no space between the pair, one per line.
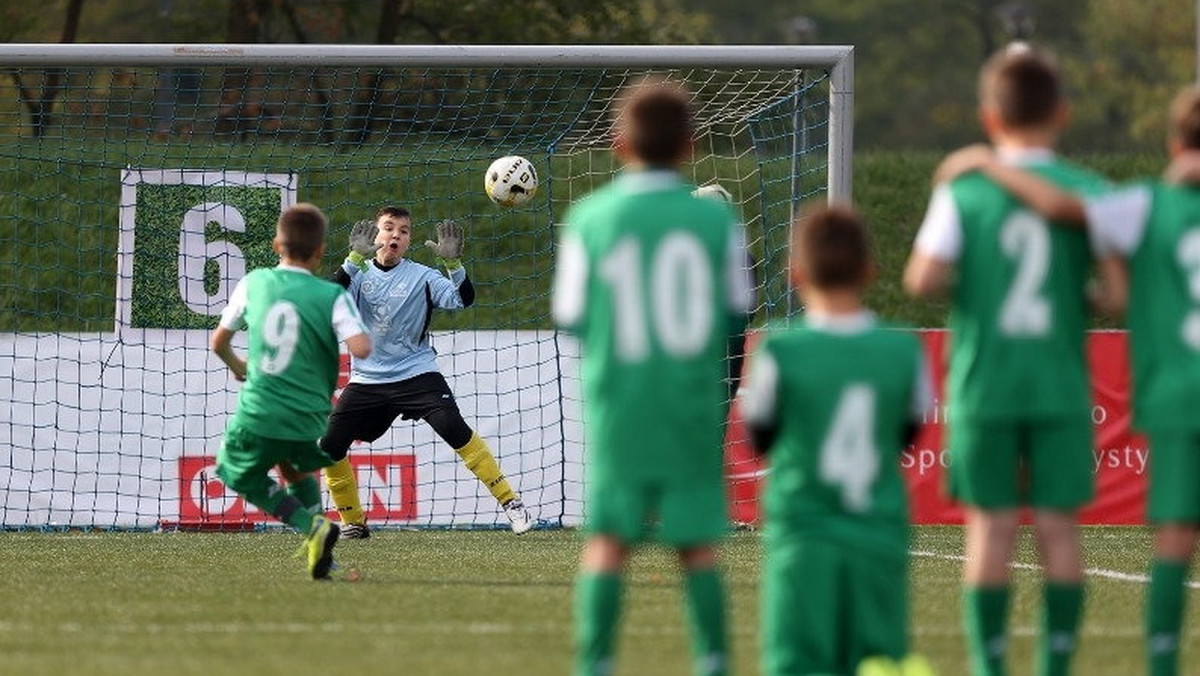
448,603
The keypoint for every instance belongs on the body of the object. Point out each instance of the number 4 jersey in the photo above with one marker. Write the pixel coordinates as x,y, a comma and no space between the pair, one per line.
295,322
654,283
1019,310
842,392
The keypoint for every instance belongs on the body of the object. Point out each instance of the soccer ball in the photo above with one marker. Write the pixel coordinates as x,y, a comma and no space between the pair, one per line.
713,191
511,181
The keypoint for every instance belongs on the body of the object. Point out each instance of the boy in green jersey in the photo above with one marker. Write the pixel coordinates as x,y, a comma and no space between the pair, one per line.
294,321
1020,432
833,402
653,281
1148,237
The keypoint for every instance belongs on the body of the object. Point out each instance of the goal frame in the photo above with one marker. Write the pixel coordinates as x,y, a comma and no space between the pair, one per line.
182,474
838,58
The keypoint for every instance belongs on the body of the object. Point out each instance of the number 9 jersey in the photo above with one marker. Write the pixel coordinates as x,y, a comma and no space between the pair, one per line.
295,322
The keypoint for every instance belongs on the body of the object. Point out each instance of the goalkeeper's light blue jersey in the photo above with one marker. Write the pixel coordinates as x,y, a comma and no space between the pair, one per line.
396,306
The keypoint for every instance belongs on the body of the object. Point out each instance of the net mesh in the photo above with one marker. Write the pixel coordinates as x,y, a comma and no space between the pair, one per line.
131,199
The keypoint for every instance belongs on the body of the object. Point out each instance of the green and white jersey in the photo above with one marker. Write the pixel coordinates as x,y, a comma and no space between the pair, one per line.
841,391
654,282
1157,228
295,322
1019,311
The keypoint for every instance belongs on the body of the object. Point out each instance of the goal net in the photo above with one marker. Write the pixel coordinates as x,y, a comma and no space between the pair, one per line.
139,183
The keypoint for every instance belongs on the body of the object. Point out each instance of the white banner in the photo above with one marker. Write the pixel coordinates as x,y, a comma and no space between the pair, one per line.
102,432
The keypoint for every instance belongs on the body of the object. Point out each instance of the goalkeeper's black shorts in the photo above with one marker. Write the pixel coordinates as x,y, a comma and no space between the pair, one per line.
365,412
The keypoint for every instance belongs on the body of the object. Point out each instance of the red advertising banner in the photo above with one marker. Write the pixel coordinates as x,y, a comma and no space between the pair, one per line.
1121,457
204,501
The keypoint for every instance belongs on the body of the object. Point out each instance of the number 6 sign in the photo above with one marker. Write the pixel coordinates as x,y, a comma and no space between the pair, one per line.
186,238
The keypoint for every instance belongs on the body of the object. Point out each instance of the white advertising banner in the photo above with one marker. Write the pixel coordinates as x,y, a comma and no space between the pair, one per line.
103,432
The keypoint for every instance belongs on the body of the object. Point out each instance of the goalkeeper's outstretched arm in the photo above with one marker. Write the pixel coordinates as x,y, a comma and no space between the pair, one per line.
362,250
448,250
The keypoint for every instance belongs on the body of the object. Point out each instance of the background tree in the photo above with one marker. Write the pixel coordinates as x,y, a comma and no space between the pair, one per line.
41,105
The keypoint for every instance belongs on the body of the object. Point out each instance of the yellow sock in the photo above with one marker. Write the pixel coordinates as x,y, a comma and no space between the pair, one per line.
344,489
478,458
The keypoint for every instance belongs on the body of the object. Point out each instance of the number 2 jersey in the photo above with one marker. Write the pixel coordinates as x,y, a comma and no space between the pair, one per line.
841,391
654,283
1156,227
294,322
1019,310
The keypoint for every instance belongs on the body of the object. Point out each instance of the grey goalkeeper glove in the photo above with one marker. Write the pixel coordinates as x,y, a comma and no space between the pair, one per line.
362,243
449,245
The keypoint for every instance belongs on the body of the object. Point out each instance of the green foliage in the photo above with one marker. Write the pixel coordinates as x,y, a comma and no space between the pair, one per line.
916,61
509,252
1123,88
464,604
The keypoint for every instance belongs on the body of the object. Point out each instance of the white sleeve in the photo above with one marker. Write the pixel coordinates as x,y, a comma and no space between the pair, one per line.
740,282
235,310
940,235
346,320
760,391
570,281
922,396
1117,220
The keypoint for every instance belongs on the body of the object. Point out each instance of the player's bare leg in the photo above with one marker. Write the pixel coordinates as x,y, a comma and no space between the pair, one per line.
991,535
1062,596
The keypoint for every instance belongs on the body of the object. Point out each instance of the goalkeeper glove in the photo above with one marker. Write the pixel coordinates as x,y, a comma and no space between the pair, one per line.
449,245
362,244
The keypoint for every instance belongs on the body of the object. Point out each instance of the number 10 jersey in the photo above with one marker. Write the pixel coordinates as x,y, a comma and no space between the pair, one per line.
654,283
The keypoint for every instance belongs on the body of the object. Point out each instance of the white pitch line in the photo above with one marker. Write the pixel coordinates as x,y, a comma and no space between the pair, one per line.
1093,572
388,628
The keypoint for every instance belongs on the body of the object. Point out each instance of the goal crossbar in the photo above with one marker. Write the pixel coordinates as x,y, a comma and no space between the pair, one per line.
838,58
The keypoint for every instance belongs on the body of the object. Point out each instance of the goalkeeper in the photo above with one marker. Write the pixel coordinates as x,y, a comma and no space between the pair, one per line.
396,297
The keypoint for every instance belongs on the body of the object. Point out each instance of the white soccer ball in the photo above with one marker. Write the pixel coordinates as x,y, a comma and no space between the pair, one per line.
511,181
713,191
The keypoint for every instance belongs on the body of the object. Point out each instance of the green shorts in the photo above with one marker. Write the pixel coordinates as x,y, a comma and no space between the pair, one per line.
826,607
1174,477
245,458
675,515
1045,464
